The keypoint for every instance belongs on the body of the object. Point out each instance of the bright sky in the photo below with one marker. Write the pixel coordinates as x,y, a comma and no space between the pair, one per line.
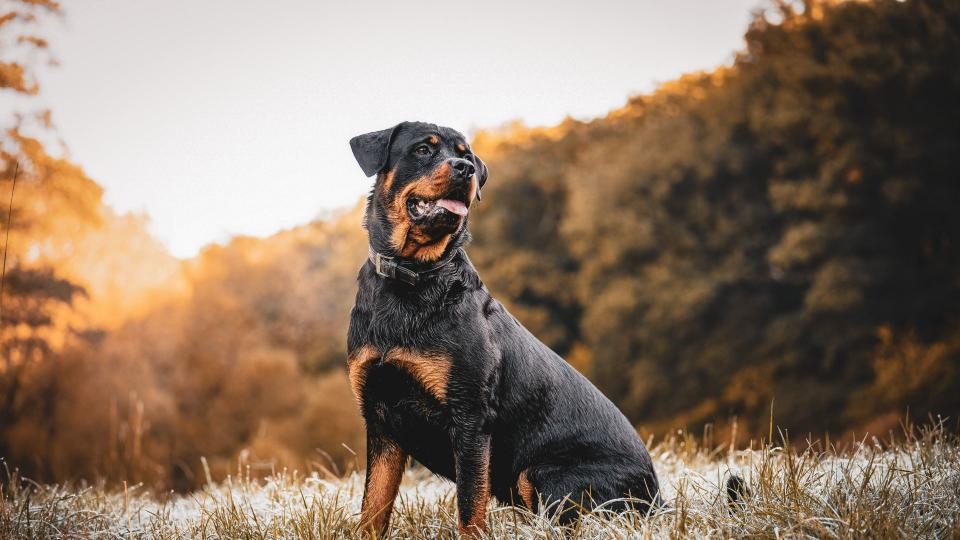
222,117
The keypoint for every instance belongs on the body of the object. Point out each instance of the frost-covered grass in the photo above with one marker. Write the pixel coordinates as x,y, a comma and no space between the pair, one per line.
909,489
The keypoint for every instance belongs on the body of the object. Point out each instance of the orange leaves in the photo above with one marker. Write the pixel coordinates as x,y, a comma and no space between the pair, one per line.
14,77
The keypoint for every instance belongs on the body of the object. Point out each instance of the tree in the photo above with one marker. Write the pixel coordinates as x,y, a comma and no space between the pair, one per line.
739,236
35,301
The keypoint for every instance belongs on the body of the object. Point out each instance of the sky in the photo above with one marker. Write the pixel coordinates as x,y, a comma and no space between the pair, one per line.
218,117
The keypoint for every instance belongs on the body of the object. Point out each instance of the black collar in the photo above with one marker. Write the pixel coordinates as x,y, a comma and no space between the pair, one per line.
390,268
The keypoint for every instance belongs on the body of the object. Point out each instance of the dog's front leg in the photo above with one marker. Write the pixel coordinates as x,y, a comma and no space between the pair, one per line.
472,460
385,464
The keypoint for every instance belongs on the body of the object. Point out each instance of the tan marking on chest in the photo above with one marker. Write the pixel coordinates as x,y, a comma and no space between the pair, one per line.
357,367
431,370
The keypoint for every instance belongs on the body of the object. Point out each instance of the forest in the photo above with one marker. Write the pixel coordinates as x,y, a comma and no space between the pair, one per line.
775,242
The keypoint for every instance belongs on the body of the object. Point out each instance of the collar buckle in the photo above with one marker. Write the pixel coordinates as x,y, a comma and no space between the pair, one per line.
384,270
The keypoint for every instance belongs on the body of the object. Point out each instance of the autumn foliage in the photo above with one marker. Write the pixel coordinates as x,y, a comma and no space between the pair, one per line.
780,234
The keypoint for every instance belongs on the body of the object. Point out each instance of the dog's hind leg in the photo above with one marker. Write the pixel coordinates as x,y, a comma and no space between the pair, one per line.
570,490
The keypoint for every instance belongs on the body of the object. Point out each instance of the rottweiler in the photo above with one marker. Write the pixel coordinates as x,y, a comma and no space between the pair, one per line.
444,374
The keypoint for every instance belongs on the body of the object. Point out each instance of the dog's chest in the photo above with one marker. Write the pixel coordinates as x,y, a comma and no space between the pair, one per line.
430,371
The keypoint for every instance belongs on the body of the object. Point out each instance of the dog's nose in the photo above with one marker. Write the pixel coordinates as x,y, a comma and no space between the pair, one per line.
462,168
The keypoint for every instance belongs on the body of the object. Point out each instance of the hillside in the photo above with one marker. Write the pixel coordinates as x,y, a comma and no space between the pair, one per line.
782,232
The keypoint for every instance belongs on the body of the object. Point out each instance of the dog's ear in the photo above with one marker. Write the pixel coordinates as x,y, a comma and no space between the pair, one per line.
481,173
372,150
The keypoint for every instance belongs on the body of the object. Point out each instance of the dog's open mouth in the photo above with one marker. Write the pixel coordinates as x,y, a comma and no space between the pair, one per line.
422,208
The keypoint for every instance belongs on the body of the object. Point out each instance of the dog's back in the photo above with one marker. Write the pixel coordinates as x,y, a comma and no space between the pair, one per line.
556,430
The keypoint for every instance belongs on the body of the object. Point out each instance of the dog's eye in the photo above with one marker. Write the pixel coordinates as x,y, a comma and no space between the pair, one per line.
422,150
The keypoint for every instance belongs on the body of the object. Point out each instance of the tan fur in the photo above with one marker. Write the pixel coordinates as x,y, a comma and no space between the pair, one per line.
431,370
407,239
358,364
383,483
387,182
427,252
478,518
525,489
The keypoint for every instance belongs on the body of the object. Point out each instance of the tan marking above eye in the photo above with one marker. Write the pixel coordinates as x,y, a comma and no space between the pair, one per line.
462,148
433,139
431,370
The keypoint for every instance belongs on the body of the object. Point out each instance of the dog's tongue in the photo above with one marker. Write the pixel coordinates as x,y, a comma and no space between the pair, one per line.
456,207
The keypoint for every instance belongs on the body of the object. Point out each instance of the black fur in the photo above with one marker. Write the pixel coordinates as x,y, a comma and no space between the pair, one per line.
372,149
505,390
737,491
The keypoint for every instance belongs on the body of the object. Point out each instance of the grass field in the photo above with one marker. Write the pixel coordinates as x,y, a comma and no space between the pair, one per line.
907,489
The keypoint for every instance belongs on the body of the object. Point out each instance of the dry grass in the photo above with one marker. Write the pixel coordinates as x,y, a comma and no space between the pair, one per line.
910,489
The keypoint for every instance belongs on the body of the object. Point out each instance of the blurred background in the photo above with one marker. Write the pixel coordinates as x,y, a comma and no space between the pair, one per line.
728,215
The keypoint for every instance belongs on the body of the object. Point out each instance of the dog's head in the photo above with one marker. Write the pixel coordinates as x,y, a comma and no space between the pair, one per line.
427,179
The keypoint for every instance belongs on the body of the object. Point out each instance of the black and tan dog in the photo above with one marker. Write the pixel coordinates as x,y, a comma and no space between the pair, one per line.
444,374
